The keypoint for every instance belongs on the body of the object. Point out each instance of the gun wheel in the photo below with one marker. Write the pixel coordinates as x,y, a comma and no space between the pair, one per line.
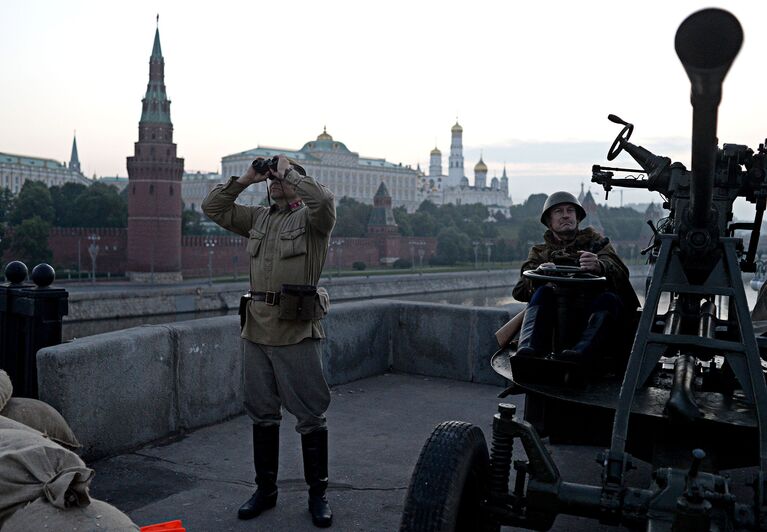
449,483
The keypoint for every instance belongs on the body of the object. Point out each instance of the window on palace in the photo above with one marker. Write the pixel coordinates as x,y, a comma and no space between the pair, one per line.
151,189
171,190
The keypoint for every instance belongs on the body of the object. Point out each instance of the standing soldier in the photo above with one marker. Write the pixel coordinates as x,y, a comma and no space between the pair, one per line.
281,331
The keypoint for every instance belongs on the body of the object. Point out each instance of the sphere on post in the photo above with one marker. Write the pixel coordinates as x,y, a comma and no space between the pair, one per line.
43,275
16,272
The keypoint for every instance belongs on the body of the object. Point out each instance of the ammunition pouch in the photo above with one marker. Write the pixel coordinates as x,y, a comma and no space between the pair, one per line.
243,310
303,302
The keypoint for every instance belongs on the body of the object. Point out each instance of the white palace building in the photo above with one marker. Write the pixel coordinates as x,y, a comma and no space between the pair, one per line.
348,174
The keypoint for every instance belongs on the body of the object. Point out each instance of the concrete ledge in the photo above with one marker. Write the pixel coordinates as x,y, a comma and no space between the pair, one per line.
123,389
448,341
116,390
359,340
208,370
125,301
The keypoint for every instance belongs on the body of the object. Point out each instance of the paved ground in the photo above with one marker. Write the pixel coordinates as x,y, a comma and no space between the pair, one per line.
377,428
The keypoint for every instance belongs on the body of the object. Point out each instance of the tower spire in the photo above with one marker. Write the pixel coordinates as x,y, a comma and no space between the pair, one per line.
74,160
156,105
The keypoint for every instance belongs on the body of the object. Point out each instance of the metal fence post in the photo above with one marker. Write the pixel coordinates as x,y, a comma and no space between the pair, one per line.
33,320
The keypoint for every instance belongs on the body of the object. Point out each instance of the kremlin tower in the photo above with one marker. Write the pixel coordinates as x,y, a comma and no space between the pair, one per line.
154,186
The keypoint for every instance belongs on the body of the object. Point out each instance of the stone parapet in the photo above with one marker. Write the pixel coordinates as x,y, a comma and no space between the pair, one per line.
130,302
123,389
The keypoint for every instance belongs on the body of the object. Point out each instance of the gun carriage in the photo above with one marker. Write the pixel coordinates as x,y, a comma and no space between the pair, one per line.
691,397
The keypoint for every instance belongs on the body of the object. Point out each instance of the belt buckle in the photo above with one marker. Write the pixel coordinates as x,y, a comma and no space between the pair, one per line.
270,298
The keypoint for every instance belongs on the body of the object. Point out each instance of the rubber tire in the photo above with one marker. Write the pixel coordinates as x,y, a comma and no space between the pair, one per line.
449,481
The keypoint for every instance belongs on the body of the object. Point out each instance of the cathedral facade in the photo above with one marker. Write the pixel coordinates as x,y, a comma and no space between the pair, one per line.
453,187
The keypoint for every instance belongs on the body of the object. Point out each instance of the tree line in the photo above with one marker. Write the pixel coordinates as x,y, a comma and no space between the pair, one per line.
463,232
27,217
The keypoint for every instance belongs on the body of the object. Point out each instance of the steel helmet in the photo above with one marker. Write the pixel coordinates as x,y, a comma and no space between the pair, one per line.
562,197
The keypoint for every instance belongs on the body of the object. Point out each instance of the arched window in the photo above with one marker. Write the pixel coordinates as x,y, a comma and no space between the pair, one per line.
151,189
171,190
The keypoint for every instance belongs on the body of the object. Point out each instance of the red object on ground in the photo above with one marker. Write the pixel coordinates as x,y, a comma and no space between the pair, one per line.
170,526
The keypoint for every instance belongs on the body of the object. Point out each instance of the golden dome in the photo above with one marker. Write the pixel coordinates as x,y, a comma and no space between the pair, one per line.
480,166
456,128
436,151
324,135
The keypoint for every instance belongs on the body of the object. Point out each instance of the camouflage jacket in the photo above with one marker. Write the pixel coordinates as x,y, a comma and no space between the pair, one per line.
567,253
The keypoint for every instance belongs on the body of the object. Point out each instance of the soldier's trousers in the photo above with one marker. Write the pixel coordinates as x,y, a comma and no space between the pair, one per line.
289,376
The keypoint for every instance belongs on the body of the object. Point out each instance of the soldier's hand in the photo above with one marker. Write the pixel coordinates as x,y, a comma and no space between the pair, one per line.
283,164
250,176
589,262
548,265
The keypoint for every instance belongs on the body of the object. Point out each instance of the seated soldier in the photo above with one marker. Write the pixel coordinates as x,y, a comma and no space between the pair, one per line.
565,244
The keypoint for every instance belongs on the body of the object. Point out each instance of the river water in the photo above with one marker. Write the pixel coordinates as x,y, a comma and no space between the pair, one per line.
501,297
487,297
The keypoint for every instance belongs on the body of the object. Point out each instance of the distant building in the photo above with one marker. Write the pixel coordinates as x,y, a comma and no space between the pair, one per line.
16,169
116,181
454,187
195,187
340,169
592,215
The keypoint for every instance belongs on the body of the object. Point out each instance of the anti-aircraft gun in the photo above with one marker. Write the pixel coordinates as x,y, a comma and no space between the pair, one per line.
692,400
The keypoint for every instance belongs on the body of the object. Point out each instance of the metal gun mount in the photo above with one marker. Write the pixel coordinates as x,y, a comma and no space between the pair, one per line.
700,201
672,423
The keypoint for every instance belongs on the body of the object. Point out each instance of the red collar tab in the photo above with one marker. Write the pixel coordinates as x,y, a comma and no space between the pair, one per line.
295,205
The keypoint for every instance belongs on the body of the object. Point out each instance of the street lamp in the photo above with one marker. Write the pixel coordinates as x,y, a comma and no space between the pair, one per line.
210,244
417,246
93,250
475,245
79,261
336,246
489,246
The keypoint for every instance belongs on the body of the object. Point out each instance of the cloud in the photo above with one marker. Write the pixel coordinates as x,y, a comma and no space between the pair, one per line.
564,152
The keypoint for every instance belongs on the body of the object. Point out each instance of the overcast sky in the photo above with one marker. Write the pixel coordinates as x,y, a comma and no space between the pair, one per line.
530,82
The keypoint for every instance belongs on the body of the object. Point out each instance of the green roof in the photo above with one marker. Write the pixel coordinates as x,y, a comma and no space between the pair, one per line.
156,105
271,152
156,50
37,162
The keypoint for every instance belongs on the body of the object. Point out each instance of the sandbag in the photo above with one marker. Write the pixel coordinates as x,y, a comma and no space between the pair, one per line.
7,423
42,417
6,388
32,467
41,515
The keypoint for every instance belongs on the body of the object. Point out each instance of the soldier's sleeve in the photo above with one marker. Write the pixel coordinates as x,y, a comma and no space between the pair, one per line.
612,265
220,207
319,200
524,289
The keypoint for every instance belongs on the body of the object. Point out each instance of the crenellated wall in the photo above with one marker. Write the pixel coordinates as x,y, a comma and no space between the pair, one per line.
228,255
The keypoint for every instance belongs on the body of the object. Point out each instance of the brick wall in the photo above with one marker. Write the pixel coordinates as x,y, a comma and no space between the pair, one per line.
228,257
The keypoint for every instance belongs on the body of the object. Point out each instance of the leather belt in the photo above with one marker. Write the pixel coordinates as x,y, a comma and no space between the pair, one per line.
270,298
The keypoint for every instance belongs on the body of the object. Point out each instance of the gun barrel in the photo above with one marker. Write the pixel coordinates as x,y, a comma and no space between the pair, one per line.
706,43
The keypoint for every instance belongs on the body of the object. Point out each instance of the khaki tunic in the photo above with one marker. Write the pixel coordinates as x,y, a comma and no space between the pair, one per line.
286,246
552,250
